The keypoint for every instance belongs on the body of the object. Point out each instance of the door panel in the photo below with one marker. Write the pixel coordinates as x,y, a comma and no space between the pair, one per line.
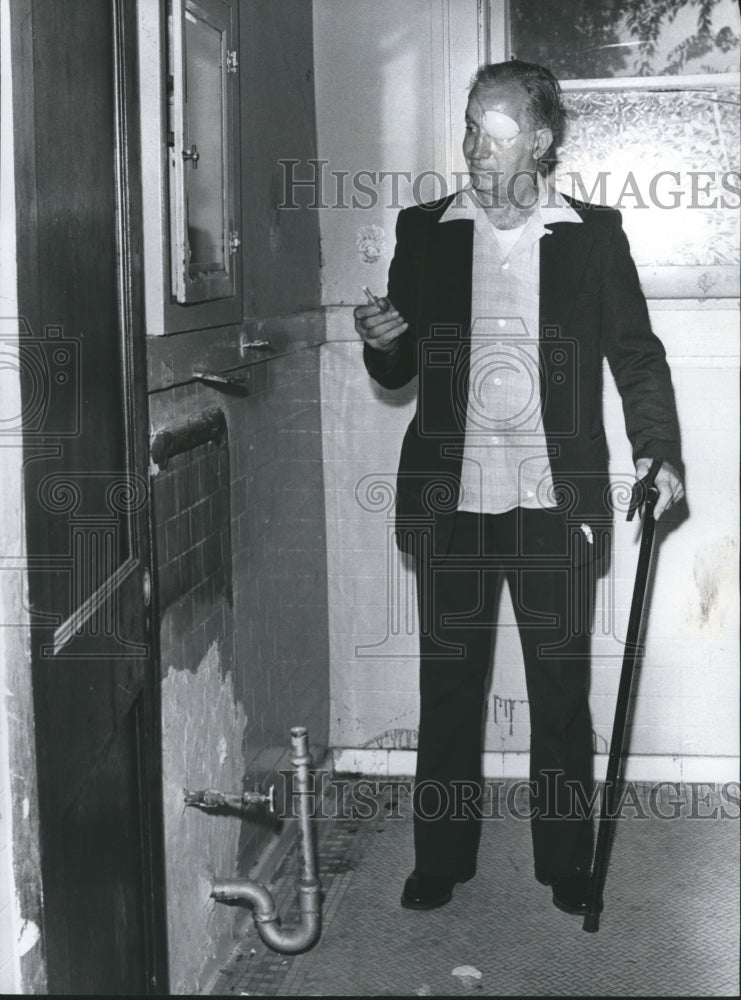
103,895
87,503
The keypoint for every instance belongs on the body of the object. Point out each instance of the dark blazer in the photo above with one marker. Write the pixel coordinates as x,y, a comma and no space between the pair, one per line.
591,306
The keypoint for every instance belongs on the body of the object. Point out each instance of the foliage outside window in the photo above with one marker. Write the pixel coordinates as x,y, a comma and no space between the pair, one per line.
652,91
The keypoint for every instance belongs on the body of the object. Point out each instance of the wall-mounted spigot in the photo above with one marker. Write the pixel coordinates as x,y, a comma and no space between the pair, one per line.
229,382
246,345
289,940
210,798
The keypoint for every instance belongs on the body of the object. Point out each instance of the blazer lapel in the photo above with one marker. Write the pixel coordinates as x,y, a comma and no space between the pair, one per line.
563,258
451,267
563,261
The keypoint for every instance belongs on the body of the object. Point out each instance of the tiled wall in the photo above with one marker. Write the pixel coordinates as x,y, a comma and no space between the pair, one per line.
244,654
191,497
685,722
243,628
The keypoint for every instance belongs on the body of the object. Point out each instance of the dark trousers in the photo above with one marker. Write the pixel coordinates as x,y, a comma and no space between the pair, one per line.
552,588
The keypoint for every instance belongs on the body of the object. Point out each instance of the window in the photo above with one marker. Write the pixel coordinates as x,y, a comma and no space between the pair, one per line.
588,39
652,89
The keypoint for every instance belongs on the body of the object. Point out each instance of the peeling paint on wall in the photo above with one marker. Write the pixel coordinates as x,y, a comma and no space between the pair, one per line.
203,726
28,937
715,575
371,242
394,739
504,710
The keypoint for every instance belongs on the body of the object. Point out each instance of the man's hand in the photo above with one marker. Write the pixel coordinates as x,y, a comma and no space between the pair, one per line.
668,484
379,327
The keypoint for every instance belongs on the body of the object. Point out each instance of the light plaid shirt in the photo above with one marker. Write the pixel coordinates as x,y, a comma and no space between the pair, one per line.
505,459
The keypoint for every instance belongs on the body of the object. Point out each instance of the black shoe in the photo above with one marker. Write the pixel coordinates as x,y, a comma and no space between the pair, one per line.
427,892
571,893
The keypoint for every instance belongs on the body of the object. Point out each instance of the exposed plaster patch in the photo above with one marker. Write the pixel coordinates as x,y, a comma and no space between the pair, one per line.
28,937
203,726
715,575
371,242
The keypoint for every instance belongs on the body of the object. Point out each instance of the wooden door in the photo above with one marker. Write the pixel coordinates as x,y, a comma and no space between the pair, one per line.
87,499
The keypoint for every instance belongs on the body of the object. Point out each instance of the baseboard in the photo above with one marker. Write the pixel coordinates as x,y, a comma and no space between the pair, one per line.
638,767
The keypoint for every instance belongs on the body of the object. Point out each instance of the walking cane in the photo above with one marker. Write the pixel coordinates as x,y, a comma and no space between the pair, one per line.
644,493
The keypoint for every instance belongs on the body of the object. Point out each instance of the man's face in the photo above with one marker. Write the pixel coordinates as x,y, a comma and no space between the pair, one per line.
500,142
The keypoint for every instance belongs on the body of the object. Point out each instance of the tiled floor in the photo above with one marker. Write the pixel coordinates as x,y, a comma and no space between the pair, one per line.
670,925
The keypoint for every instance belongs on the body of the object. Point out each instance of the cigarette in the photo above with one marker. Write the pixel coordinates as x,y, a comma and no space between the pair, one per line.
373,299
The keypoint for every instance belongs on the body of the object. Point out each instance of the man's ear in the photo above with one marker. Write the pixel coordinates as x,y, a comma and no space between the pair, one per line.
543,139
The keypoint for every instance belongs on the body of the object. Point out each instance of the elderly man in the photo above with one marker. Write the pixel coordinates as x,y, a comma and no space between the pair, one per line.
504,299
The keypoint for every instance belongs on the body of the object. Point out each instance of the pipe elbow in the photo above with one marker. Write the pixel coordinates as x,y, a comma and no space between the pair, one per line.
308,888
260,898
291,940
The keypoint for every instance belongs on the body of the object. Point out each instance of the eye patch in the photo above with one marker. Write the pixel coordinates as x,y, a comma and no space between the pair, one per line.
500,126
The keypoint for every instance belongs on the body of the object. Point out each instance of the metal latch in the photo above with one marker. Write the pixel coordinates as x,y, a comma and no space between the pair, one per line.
193,155
234,242
232,63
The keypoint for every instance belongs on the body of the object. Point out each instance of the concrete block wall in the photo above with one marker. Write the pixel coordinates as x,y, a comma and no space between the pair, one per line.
244,648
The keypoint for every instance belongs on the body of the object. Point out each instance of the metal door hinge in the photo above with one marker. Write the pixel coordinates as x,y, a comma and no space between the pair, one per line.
234,242
232,62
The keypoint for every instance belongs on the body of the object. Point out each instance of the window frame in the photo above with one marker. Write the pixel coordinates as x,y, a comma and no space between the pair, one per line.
659,281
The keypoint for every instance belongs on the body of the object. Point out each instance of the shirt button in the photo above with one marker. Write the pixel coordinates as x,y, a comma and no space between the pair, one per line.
502,322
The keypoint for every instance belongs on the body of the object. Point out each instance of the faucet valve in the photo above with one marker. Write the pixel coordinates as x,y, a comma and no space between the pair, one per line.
210,798
266,798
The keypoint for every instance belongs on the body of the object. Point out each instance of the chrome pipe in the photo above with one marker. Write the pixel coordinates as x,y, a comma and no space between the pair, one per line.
308,887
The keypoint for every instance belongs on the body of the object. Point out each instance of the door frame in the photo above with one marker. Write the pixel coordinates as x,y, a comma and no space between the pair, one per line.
129,225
